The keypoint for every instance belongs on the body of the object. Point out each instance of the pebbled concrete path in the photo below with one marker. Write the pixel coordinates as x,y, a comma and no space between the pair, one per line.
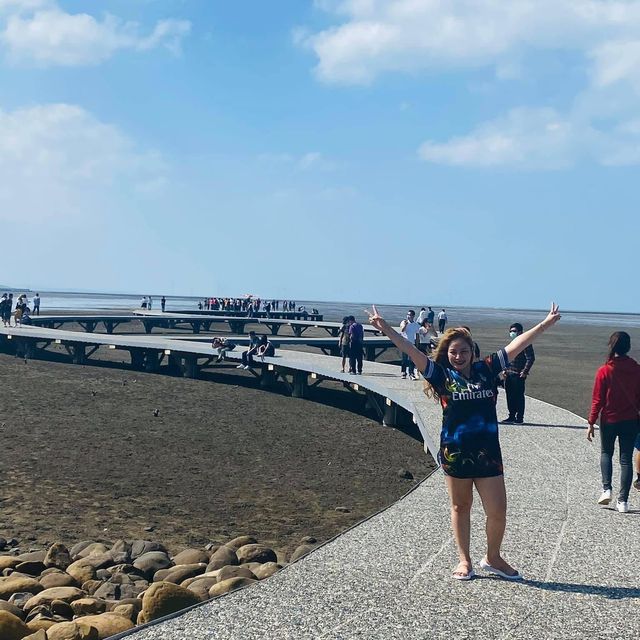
389,577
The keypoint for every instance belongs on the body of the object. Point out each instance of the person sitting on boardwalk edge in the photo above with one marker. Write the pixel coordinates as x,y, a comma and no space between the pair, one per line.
469,451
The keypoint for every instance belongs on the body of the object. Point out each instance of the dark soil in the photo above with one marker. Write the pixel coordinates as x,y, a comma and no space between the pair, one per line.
82,456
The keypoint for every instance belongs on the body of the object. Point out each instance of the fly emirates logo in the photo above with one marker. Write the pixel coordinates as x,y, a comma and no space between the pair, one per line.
472,394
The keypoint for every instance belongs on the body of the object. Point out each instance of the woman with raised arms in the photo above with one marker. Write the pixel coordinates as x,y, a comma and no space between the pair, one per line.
469,447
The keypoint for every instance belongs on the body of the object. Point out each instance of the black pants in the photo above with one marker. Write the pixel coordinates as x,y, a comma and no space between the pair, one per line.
626,433
355,358
441,324
247,357
514,386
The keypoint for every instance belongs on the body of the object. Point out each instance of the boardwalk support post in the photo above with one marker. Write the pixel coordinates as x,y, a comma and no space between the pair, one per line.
190,367
174,364
78,353
137,358
300,384
267,377
152,361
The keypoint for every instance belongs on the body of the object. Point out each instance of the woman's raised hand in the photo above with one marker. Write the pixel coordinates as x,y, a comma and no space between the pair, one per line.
552,317
375,319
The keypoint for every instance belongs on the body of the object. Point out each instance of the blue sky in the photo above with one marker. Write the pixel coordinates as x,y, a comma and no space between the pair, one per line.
456,152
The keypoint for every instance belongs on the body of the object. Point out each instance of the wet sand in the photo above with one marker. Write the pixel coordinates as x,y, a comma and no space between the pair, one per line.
84,457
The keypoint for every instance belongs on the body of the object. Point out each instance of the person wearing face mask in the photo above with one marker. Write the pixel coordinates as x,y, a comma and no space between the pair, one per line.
516,376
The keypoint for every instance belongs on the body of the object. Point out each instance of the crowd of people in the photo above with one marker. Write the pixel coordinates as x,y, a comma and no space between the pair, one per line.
250,306
21,311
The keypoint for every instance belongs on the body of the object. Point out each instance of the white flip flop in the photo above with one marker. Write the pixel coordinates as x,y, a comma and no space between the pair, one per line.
485,566
464,576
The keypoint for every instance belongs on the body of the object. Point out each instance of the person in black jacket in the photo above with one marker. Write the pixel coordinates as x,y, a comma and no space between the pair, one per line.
516,376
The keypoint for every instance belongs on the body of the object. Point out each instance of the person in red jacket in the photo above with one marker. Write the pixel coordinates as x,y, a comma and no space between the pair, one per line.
616,400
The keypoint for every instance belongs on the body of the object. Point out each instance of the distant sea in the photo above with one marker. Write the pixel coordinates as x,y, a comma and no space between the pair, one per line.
473,316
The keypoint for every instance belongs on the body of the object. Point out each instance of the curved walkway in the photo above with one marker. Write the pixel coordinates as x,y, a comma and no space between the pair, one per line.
389,577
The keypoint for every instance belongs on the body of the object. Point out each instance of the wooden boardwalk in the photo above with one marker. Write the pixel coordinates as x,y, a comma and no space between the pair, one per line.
151,320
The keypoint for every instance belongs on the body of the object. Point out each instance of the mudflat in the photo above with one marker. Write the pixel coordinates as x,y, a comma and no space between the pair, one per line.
83,455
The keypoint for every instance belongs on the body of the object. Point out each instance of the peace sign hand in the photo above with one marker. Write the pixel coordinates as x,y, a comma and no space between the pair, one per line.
375,319
552,317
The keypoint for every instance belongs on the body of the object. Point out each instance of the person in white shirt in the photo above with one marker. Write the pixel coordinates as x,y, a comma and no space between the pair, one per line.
422,316
409,329
427,336
442,321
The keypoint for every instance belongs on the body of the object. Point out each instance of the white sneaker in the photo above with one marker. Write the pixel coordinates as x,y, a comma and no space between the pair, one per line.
246,366
240,366
622,507
605,498
414,377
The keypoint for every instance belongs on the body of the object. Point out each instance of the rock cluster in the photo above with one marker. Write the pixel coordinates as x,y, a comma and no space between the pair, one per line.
95,590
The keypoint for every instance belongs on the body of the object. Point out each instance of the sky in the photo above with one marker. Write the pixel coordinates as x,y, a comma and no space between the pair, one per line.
445,152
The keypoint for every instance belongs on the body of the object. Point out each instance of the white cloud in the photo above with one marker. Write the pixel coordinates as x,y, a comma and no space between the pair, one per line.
312,160
537,139
374,37
41,33
378,36
58,160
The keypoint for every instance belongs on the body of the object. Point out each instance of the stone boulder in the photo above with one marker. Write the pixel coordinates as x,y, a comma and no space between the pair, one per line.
94,549
31,567
9,562
266,570
164,598
91,586
229,585
221,558
151,562
76,630
11,585
81,571
46,597
231,571
58,556
33,556
88,606
200,586
122,547
20,599
40,624
140,547
240,541
12,608
300,551
128,611
183,572
79,547
57,579
62,608
99,560
108,624
256,553
11,627
191,556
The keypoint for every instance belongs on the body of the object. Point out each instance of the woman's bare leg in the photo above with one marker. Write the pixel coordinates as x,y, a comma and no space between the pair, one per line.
494,501
461,497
